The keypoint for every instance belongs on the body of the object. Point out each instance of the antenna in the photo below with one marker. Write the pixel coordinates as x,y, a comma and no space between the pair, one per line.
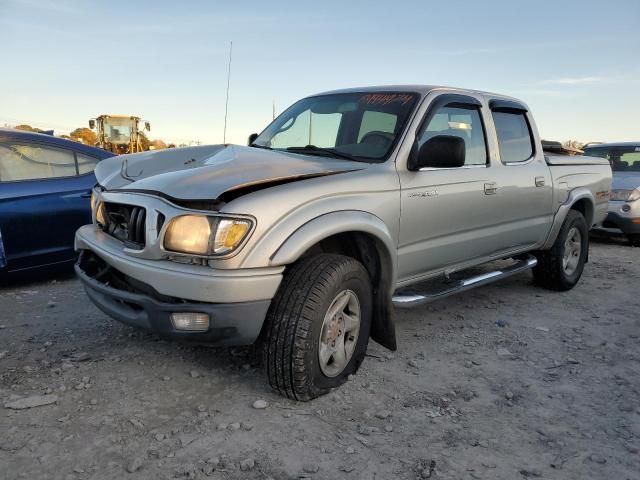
274,110
226,105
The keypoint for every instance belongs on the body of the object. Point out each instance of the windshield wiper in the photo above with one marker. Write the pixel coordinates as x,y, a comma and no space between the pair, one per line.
314,149
260,146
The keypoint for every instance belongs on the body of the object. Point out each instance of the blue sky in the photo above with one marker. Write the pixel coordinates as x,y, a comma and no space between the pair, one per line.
576,63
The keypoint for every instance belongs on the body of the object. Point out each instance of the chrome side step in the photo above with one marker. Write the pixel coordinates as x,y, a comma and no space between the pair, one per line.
413,299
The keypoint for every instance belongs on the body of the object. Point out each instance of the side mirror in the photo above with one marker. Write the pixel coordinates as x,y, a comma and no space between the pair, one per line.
147,126
252,138
441,151
92,124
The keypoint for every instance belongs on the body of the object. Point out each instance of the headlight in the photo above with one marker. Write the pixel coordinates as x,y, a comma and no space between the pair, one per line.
94,199
98,207
203,235
100,215
625,195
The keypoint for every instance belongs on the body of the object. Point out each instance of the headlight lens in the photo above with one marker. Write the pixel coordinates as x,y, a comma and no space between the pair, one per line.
635,195
100,214
94,199
203,235
625,195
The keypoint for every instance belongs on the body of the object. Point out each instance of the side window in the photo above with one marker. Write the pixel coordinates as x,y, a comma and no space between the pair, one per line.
459,122
309,128
514,136
373,121
32,161
86,164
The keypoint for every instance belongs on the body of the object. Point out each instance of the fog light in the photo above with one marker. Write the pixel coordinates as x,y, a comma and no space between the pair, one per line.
190,321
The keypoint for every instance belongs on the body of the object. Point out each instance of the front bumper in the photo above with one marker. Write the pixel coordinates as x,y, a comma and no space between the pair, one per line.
616,223
140,306
189,282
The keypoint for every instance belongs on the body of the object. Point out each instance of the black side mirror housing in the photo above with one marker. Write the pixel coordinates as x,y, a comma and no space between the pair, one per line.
92,124
441,151
252,138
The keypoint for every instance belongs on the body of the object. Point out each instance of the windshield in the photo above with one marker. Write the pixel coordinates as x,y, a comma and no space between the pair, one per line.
118,130
622,159
361,126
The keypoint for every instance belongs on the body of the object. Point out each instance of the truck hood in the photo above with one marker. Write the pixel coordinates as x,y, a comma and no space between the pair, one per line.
626,180
206,173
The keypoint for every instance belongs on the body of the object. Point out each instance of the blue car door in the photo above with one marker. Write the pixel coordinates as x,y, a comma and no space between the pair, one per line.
44,198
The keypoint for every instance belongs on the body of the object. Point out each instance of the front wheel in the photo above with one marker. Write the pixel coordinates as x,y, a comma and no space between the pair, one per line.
561,267
317,327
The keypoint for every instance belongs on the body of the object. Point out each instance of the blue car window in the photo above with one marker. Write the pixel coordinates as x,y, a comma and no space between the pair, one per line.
86,164
23,161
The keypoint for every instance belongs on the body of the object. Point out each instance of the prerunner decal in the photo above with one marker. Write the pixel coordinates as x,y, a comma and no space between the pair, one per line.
386,98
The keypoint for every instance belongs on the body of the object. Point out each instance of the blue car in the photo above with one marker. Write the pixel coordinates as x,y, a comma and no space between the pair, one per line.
45,191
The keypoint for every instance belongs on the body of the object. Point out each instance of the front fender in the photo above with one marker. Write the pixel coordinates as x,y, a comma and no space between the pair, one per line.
324,226
330,224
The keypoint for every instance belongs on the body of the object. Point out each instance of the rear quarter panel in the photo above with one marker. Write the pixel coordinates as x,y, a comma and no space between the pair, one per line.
595,177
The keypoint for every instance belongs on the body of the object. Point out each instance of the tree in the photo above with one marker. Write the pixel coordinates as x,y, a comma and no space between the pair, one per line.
573,144
84,135
158,144
144,141
27,128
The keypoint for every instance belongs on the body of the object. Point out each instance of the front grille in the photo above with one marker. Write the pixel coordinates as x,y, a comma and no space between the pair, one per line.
126,223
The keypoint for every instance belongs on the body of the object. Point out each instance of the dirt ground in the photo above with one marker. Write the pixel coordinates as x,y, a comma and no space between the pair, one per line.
507,381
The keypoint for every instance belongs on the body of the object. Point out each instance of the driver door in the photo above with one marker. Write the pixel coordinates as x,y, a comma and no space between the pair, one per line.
448,214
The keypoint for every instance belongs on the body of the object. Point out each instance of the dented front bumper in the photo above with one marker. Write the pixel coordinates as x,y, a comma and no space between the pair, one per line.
144,293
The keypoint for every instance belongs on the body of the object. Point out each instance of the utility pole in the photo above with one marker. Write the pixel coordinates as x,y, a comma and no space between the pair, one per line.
226,105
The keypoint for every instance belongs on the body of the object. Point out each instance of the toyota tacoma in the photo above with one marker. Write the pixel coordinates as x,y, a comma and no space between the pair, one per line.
348,204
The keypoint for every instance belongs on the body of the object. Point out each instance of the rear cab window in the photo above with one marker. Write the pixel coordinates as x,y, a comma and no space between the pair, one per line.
515,139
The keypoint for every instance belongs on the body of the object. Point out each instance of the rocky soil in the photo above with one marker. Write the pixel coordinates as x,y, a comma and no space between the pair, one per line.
507,381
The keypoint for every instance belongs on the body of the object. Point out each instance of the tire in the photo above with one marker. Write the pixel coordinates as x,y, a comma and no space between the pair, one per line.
634,240
296,325
553,271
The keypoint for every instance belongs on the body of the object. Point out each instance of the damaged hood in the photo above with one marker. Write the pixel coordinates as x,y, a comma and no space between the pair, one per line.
205,173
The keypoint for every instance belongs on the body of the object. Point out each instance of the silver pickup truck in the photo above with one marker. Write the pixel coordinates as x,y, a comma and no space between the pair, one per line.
348,204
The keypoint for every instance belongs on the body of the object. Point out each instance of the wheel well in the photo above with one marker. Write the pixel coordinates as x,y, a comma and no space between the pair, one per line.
360,246
585,207
371,252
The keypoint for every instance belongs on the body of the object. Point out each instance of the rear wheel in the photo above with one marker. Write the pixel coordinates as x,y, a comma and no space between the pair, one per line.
561,267
318,325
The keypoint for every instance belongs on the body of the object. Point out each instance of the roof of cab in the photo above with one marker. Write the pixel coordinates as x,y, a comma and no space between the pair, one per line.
420,89
612,144
22,135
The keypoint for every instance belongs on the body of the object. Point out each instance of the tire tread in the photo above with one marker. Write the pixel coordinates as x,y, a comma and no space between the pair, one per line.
290,322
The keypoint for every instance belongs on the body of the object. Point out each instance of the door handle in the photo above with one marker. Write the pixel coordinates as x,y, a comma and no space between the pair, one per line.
490,188
539,181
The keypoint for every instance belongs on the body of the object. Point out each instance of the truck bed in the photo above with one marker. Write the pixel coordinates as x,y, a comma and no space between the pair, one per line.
559,159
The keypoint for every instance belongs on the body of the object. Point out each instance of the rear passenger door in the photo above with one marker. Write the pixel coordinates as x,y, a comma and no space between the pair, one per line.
44,199
523,178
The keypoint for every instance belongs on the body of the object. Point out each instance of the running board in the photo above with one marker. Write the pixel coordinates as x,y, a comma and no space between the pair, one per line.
411,300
